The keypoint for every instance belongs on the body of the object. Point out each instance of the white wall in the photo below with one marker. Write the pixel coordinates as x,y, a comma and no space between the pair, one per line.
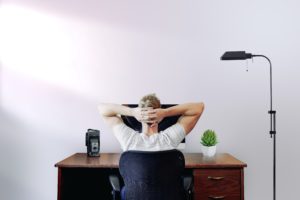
59,58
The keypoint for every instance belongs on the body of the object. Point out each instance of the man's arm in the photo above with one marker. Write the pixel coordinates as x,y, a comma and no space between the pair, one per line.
190,114
111,113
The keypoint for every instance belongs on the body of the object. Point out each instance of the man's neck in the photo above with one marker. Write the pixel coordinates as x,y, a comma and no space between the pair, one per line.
150,130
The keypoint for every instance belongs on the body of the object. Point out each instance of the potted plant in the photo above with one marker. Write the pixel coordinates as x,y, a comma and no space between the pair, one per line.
209,141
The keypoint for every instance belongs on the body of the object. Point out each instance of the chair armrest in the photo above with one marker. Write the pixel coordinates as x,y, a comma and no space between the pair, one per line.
187,182
115,183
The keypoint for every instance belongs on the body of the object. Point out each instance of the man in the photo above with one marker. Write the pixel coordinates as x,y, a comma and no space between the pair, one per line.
150,113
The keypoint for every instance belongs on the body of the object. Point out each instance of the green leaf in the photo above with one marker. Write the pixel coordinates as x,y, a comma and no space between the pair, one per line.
209,138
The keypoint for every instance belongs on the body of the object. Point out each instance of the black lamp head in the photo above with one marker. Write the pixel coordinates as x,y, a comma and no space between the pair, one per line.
236,55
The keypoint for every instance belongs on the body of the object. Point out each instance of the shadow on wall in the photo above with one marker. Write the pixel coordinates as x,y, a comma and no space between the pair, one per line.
14,176
38,101
40,124
146,15
0,86
111,11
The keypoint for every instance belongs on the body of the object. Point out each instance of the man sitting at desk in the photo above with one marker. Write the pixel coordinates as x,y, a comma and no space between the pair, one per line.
150,113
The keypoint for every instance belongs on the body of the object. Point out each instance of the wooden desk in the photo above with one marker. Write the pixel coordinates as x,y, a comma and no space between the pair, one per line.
82,177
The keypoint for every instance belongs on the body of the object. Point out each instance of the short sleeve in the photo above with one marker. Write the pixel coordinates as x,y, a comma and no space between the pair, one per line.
124,135
174,134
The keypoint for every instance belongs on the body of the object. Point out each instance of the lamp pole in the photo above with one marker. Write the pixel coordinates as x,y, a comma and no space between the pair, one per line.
272,125
242,55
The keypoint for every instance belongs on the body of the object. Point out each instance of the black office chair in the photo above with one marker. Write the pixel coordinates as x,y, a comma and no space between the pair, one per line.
152,176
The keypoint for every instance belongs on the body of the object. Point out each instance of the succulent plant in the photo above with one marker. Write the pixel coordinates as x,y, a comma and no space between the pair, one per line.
209,138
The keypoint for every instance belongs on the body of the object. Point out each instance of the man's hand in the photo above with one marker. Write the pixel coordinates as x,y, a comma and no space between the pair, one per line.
158,115
146,115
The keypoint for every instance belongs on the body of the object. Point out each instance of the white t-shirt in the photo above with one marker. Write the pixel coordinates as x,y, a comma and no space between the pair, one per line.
130,139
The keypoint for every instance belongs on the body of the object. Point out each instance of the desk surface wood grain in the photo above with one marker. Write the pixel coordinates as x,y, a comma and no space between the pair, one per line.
111,160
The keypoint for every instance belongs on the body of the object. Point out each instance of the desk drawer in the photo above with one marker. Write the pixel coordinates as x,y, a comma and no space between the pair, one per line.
217,184
200,196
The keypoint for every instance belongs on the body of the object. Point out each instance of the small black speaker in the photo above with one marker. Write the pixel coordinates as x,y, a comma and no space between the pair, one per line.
92,142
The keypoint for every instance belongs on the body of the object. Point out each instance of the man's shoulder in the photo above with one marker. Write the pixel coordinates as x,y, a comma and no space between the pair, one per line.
122,127
175,127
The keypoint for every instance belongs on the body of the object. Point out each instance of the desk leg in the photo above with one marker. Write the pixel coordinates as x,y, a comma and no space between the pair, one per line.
59,182
242,184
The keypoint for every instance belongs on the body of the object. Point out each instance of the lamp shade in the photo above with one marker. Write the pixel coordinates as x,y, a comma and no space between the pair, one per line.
236,55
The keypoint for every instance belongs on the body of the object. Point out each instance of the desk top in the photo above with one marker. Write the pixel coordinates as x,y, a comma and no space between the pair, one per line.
111,160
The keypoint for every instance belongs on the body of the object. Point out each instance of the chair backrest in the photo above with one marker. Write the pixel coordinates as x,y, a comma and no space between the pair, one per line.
153,175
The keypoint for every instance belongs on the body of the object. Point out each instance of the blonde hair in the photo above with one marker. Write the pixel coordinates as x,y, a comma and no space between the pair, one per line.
150,100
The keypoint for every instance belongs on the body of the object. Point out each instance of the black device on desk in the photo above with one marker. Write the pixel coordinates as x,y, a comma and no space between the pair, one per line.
92,142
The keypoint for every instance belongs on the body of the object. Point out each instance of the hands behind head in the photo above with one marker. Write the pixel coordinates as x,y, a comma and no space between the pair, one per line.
148,115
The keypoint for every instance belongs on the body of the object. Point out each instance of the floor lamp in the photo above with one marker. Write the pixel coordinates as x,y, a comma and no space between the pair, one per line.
242,55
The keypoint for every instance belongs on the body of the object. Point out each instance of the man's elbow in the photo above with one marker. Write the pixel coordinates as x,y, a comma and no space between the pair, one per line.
200,108
102,109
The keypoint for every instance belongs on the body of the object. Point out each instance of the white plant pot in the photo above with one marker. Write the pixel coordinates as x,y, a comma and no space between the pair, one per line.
209,151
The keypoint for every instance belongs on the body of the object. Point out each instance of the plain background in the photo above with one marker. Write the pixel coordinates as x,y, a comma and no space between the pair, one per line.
60,58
